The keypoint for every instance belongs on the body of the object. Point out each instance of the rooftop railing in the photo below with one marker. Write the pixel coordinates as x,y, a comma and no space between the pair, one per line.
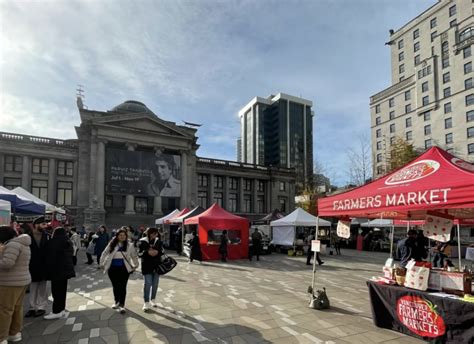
37,140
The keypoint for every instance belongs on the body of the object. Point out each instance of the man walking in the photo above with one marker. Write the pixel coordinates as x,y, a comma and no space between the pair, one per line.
38,296
310,253
256,243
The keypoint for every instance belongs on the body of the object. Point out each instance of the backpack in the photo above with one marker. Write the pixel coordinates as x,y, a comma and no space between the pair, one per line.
320,300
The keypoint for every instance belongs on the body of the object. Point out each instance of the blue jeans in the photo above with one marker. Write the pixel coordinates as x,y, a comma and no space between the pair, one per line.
150,285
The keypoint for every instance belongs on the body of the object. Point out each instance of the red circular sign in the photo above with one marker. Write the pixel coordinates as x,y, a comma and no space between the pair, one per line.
419,316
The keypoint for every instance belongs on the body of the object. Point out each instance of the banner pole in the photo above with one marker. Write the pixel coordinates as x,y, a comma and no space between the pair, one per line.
391,241
459,247
314,258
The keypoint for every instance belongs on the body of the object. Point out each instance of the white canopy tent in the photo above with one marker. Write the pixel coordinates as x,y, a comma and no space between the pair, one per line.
284,229
162,220
25,194
5,212
385,223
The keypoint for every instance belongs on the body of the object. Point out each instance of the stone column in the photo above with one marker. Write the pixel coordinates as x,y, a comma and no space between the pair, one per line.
92,175
225,199
254,195
211,190
75,193
100,180
157,209
26,173
2,167
52,181
241,195
130,199
184,179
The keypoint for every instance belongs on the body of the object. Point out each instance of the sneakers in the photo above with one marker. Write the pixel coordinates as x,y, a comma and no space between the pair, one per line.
53,316
146,307
153,303
15,338
115,305
122,310
30,313
4,341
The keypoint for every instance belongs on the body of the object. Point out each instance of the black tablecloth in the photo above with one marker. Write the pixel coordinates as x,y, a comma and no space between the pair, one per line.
421,315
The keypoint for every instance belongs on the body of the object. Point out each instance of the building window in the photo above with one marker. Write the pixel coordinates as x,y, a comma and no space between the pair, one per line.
11,183
466,52
247,184
392,115
446,77
379,157
65,168
378,120
450,151
452,10
465,34
428,144
470,148
417,60
401,68
232,203
401,56
218,182
416,33
64,193
378,133
433,23
392,127
261,186
282,186
391,102
202,199
282,202
247,204
260,204
426,116
447,92
470,132
379,169
408,122
445,62
453,23
401,78
13,163
39,188
433,35
379,145
392,140
426,100
428,129
407,95
448,123
447,108
470,116
408,135
203,180
40,166
468,68
468,83
416,47
449,138
218,198
424,72
233,183
377,108
407,108
400,45
470,99
424,86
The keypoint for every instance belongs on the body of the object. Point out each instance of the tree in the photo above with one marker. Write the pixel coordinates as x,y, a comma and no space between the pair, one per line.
360,163
308,197
401,153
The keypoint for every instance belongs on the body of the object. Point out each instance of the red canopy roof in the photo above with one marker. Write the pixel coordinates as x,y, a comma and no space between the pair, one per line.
435,181
181,213
217,218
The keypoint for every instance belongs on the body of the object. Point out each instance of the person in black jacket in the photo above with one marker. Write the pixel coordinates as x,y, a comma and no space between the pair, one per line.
59,268
196,253
150,250
38,296
223,246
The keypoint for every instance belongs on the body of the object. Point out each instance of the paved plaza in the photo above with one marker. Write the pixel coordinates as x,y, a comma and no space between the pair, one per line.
234,302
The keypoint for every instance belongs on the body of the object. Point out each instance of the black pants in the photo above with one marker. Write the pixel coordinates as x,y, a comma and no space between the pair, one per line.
89,258
310,255
98,258
74,260
59,290
119,277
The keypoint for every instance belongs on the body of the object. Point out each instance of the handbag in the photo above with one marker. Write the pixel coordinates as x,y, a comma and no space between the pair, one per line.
166,265
91,248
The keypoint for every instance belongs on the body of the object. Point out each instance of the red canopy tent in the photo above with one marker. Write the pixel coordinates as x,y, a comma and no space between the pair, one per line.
212,222
435,181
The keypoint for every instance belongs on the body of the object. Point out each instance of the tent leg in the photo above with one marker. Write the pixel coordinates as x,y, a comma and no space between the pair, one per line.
391,242
459,248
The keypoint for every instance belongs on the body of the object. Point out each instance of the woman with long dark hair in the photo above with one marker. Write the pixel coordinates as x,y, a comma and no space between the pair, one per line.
119,259
150,250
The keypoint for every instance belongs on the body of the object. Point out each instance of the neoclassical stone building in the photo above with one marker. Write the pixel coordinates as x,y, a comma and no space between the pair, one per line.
112,174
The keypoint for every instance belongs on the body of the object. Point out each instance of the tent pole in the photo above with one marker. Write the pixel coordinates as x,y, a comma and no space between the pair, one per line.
459,248
391,241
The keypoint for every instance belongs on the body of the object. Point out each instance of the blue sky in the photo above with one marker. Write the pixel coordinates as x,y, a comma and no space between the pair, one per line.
199,61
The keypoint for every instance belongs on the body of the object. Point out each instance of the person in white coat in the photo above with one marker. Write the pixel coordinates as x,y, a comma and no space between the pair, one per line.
119,259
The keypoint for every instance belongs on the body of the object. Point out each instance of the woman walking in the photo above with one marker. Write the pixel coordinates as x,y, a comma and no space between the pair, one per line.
195,245
14,279
150,250
223,246
119,259
59,268
101,242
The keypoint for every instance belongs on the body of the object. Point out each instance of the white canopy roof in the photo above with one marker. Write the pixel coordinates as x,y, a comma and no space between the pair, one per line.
161,220
378,223
25,194
5,205
299,217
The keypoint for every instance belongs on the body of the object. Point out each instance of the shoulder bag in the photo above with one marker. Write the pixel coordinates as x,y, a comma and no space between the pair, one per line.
166,265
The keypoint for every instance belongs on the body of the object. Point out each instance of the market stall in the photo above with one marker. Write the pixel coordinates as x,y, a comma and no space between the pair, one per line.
21,205
5,213
263,226
211,223
161,220
438,188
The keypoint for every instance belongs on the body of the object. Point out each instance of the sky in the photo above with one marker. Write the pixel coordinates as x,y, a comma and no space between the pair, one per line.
199,61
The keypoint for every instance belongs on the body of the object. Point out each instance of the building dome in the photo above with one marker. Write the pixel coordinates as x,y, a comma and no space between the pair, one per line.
132,106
